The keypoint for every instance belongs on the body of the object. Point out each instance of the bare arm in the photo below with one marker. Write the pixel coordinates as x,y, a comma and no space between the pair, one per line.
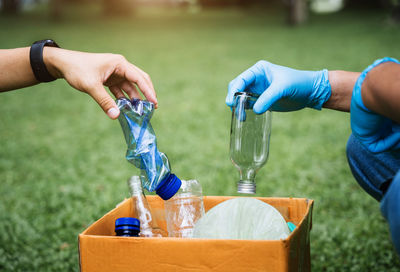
342,84
15,69
380,90
86,72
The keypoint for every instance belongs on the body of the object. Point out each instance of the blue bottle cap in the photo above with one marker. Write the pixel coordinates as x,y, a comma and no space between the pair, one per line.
127,223
168,186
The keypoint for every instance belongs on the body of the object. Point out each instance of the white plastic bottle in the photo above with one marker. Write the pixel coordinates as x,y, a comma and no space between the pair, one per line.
184,209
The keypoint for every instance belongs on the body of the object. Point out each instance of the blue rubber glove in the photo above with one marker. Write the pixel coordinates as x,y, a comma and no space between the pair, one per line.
281,88
375,132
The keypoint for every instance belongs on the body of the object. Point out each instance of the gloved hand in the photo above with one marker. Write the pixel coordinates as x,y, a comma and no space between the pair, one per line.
281,88
377,133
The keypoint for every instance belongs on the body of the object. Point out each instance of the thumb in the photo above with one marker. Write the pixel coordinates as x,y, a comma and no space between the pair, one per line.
272,94
101,96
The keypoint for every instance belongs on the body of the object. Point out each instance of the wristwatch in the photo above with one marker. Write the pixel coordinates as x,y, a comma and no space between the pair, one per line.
36,58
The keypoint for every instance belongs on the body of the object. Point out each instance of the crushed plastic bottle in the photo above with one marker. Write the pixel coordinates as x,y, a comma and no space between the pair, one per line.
148,226
155,170
184,209
242,218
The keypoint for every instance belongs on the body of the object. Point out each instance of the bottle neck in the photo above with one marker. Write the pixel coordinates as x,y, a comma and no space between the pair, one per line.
247,175
135,188
247,184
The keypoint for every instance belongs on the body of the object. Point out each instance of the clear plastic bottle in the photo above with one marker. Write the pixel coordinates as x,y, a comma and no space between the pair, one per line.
184,209
249,146
155,171
148,226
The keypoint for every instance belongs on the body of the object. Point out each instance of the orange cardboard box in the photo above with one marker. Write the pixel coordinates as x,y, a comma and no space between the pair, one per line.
100,250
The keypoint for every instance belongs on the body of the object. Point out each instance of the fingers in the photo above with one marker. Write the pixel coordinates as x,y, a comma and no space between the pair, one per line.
143,81
117,92
105,101
272,94
130,90
239,84
146,76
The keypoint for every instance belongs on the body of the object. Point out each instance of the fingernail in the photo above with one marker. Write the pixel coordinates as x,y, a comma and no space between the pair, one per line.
113,113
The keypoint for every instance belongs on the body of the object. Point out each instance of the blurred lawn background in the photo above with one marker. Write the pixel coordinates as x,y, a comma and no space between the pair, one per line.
62,162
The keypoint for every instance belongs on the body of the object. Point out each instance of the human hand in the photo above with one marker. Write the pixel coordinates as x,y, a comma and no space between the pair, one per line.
281,88
90,72
376,132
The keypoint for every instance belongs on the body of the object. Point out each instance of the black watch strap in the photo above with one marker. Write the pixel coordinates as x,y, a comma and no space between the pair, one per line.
36,57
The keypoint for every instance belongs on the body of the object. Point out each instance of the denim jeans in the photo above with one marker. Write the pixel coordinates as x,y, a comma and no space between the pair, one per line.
379,175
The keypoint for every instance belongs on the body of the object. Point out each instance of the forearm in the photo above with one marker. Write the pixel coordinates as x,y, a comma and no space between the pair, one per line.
86,72
381,90
15,69
342,84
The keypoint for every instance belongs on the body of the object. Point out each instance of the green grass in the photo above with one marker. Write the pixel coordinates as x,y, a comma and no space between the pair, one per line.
62,162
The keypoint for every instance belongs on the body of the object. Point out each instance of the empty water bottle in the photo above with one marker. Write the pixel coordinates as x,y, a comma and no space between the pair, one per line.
184,209
249,146
148,225
127,226
155,171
